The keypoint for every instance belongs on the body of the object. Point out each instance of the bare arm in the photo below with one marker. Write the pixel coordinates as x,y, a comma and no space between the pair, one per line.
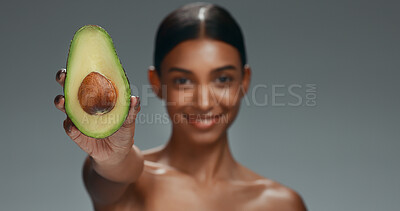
107,183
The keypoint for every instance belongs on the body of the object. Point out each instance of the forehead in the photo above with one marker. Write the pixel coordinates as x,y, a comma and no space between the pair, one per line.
201,54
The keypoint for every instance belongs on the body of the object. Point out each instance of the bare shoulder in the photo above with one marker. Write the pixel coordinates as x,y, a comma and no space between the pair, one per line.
274,195
152,164
152,154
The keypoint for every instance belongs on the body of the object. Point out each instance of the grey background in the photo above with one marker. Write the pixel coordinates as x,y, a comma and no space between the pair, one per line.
341,154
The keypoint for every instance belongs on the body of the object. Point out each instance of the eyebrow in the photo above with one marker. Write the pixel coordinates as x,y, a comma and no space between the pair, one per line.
218,69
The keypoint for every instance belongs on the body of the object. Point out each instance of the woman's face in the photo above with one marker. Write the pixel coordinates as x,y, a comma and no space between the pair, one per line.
202,83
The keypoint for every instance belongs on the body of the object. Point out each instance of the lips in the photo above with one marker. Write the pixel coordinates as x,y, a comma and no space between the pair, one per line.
202,121
198,117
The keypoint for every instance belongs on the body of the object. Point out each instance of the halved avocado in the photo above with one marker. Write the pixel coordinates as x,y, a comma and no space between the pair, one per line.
97,92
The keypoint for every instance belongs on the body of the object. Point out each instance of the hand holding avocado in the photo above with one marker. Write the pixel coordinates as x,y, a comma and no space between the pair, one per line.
111,149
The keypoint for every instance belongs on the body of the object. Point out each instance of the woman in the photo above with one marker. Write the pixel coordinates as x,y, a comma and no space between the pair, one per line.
200,70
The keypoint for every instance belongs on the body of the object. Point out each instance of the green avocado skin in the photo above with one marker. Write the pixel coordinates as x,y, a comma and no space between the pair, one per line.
69,108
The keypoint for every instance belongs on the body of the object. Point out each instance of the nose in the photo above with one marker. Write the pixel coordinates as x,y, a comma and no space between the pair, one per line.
203,98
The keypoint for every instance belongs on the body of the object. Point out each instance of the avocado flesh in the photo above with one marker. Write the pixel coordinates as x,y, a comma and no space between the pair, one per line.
92,50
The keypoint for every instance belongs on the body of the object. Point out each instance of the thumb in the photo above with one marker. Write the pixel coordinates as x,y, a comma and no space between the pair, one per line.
72,131
133,111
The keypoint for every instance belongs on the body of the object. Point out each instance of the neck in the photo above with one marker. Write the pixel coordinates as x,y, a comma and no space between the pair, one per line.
205,161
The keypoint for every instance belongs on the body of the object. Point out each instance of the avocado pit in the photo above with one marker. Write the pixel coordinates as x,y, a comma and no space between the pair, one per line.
97,94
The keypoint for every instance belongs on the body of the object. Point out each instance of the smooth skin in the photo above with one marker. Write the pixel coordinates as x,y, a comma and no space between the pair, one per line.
195,170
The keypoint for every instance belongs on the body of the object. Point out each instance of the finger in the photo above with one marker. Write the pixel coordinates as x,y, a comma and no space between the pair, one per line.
60,76
133,111
72,131
59,102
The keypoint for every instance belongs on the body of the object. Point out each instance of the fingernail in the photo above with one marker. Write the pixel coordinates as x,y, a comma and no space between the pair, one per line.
137,102
57,100
59,73
68,125
65,124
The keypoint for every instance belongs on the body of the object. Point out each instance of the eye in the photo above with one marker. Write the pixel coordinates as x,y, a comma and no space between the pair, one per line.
182,81
223,79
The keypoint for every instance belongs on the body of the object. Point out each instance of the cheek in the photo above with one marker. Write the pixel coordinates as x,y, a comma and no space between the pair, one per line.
177,98
227,97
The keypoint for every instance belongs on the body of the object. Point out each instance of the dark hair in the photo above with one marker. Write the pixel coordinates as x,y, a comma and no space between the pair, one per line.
195,20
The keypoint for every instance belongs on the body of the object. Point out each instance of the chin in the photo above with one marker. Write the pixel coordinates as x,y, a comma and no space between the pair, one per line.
204,138
203,133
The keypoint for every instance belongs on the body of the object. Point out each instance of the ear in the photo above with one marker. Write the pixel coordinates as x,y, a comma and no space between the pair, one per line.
246,79
155,81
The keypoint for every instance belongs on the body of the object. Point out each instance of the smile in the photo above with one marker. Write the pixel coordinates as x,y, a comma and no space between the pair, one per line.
202,121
